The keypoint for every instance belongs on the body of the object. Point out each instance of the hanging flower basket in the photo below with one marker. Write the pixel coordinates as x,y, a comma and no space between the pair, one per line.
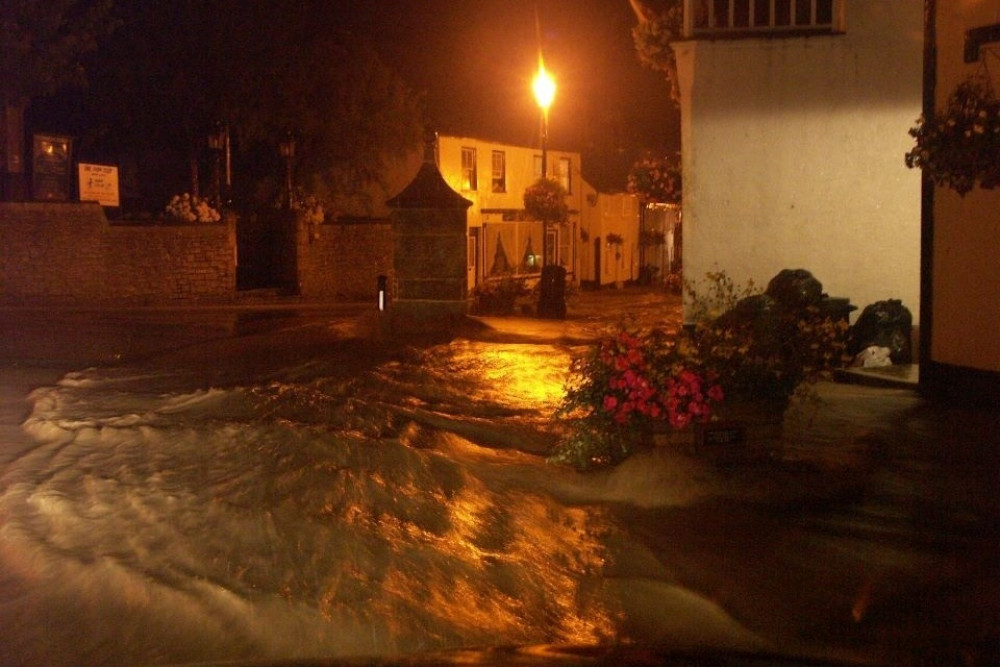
959,148
545,200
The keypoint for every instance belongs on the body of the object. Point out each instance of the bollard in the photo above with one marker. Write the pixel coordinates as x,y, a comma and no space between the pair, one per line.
383,293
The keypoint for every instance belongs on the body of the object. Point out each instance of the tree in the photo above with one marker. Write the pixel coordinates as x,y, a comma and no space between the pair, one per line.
264,69
660,23
42,47
43,43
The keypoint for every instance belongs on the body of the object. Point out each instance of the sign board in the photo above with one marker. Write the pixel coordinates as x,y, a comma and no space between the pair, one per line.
99,182
50,167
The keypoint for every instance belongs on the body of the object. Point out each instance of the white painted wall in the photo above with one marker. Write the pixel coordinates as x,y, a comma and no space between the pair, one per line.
793,150
520,162
603,214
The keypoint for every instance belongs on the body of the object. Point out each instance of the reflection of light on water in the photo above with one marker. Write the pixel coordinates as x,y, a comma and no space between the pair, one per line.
509,565
522,376
321,507
503,565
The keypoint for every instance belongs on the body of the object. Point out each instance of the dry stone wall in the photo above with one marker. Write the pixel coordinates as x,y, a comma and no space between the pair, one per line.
342,260
69,253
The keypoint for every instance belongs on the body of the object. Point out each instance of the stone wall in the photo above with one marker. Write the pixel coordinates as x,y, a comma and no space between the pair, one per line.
342,260
69,253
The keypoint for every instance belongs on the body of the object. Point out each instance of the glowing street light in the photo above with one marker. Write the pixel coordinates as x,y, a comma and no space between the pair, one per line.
545,90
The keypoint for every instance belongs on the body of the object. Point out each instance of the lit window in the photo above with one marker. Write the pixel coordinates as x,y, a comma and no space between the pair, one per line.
565,174
499,171
538,167
468,168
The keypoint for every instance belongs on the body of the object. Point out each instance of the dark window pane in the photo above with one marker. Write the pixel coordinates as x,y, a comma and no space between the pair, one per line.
803,12
824,12
721,14
761,13
741,13
700,8
782,12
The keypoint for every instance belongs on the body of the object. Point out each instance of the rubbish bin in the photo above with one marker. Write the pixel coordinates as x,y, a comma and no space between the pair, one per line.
552,297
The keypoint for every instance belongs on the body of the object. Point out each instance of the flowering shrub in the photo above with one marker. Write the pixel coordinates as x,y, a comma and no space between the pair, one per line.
960,146
545,200
626,384
498,297
188,208
655,180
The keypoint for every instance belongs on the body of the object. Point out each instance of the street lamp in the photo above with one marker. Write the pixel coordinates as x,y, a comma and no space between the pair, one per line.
545,91
287,149
216,143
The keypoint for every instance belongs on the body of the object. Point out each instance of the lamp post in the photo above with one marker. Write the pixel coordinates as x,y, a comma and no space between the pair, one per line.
216,143
287,149
545,90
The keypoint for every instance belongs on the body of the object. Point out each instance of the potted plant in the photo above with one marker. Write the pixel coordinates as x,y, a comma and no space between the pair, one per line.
638,387
959,147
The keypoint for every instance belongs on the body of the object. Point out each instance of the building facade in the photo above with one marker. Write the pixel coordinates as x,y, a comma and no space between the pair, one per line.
502,239
597,245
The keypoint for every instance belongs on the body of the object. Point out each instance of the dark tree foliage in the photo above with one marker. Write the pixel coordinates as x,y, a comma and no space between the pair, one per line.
43,44
176,69
659,23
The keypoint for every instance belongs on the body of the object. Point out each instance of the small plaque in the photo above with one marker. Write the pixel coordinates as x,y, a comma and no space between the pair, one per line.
721,434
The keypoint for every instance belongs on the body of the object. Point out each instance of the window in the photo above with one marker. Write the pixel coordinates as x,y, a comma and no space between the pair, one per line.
763,16
469,168
565,174
538,167
499,180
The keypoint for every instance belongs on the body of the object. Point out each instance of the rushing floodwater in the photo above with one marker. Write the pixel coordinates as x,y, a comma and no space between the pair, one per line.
300,490
149,517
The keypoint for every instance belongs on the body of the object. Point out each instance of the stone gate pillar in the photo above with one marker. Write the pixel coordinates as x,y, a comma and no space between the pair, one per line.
429,232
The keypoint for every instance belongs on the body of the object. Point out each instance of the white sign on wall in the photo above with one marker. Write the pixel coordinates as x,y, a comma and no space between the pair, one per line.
99,182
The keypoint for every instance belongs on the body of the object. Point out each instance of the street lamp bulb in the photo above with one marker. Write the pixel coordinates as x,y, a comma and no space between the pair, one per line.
544,87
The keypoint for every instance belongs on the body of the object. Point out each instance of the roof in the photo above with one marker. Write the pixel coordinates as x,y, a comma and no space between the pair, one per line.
428,190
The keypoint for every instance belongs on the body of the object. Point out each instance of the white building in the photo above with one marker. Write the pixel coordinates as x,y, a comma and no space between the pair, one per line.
598,244
794,121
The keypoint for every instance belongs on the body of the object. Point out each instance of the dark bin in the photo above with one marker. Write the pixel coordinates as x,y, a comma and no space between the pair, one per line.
552,297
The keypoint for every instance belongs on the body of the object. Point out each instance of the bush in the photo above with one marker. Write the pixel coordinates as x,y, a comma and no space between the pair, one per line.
498,297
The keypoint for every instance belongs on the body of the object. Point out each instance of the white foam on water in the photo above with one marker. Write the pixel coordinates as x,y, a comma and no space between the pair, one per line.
150,521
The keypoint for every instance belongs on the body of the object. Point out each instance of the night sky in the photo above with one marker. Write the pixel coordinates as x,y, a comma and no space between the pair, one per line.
474,62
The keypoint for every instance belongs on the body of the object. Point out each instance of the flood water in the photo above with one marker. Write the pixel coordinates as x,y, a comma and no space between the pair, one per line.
314,493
